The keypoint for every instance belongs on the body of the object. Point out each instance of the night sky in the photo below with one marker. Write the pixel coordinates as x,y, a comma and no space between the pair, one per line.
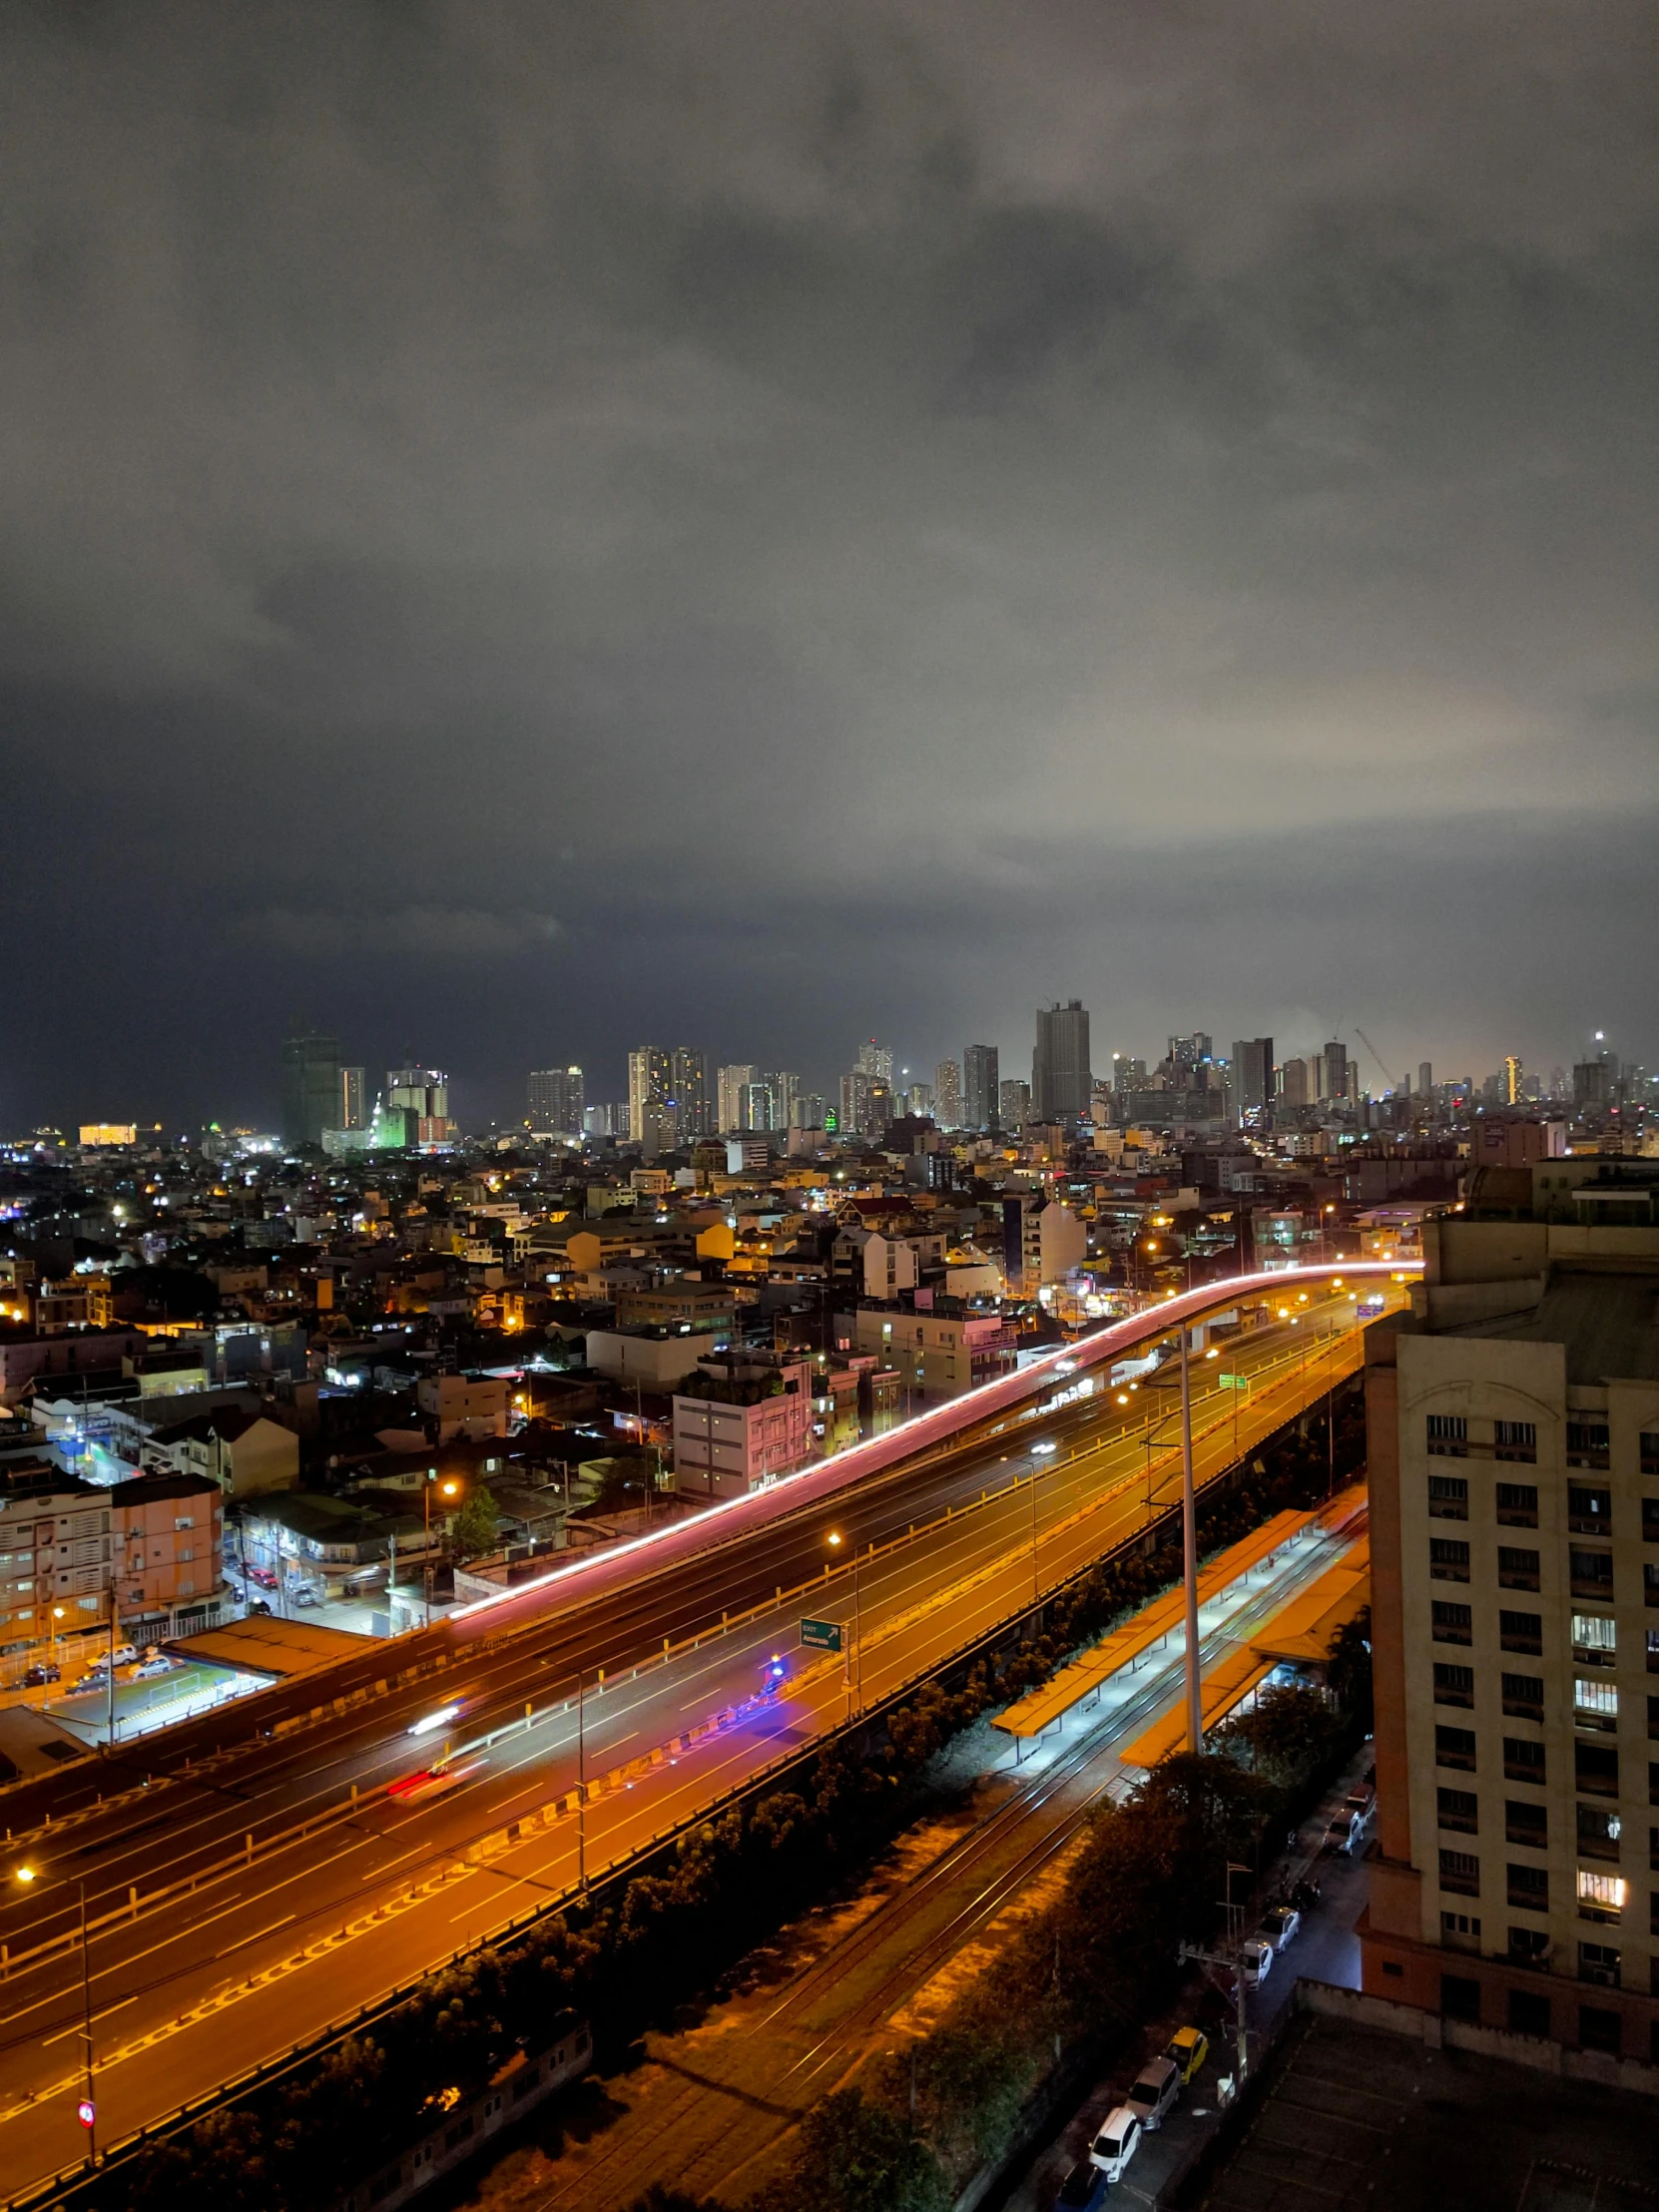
529,530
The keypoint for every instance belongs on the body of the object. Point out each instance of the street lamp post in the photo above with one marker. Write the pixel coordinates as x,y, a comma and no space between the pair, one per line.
1189,1556
445,1489
834,1541
89,2109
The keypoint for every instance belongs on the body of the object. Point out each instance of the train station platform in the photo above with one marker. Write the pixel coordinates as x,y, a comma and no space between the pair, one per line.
1148,1629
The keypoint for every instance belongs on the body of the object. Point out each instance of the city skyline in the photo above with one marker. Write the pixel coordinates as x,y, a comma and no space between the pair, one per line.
1196,564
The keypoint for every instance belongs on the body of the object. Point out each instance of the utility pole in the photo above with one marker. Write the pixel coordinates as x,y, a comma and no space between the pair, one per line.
1191,1953
90,2106
581,1793
1189,1559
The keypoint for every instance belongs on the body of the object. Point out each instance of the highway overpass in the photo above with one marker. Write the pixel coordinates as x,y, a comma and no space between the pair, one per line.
243,1896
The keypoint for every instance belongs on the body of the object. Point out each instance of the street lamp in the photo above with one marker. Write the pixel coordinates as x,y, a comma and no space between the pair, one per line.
834,1541
447,1488
24,1875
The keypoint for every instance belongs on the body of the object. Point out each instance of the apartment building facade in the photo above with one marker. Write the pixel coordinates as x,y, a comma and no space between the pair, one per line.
1513,1424
741,1423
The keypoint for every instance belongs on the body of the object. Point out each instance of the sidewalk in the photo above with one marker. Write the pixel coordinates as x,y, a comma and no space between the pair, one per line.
1327,1949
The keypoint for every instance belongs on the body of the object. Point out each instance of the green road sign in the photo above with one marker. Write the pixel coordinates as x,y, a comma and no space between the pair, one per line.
1233,1381
820,1635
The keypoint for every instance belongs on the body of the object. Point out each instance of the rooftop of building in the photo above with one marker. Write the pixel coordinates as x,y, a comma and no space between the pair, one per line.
1606,1316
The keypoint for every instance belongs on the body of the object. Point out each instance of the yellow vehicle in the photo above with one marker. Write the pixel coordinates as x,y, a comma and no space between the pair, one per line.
1187,2048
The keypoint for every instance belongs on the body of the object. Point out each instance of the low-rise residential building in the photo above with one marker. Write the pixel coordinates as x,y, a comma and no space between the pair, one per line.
167,1555
242,1453
465,1404
654,1359
54,1555
741,1421
938,1355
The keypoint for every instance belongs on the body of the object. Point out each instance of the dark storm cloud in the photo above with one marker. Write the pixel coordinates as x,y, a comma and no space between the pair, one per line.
521,526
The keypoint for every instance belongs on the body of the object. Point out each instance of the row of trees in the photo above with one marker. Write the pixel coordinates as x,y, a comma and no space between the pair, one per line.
646,1947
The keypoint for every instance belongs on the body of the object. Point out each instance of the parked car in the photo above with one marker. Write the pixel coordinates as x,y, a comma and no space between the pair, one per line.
1155,2091
1280,1925
263,1576
1116,2143
1258,1961
305,1594
1083,2190
1188,2049
1343,1832
124,1656
38,1678
157,1663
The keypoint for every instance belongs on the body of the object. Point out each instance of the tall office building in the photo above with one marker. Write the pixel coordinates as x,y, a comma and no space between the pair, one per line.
354,1100
729,1088
1296,1083
855,1104
1513,1467
557,1100
1252,1075
758,1108
1332,1067
650,1082
1015,1104
1061,1081
980,1102
947,1095
310,1089
694,1109
786,1087
1186,1054
876,1061
1425,1078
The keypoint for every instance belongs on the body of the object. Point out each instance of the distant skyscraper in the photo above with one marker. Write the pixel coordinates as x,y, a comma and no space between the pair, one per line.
1511,1079
1425,1077
854,1105
757,1108
1296,1086
689,1088
1014,1100
947,1095
785,1086
1061,1078
354,1107
1252,1075
1127,1074
310,1089
729,1086
557,1099
1332,1070
980,1103
650,1079
876,1060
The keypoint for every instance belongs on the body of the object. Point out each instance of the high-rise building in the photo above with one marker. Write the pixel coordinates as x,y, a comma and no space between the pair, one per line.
1511,1079
1186,1054
650,1078
557,1100
1127,1074
1425,1078
1296,1083
1015,1104
354,1100
729,1088
785,1086
1252,1075
854,1103
1332,1066
947,1095
806,1110
980,1103
1061,1081
757,1107
876,1061
694,1109
1512,1426
919,1100
310,1089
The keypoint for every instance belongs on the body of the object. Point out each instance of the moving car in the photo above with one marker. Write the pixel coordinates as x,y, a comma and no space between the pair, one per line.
1188,2049
1258,1961
37,1678
410,1789
1116,2143
1280,1923
1083,2190
1155,2092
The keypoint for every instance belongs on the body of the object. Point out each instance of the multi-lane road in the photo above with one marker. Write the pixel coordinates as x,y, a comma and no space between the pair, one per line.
243,1894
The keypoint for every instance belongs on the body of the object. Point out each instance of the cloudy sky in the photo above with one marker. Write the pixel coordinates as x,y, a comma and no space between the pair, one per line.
530,529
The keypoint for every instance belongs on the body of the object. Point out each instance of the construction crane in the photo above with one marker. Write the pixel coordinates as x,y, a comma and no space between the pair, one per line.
1377,1056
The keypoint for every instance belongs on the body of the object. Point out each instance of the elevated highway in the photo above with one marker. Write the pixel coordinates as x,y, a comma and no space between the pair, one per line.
243,1894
